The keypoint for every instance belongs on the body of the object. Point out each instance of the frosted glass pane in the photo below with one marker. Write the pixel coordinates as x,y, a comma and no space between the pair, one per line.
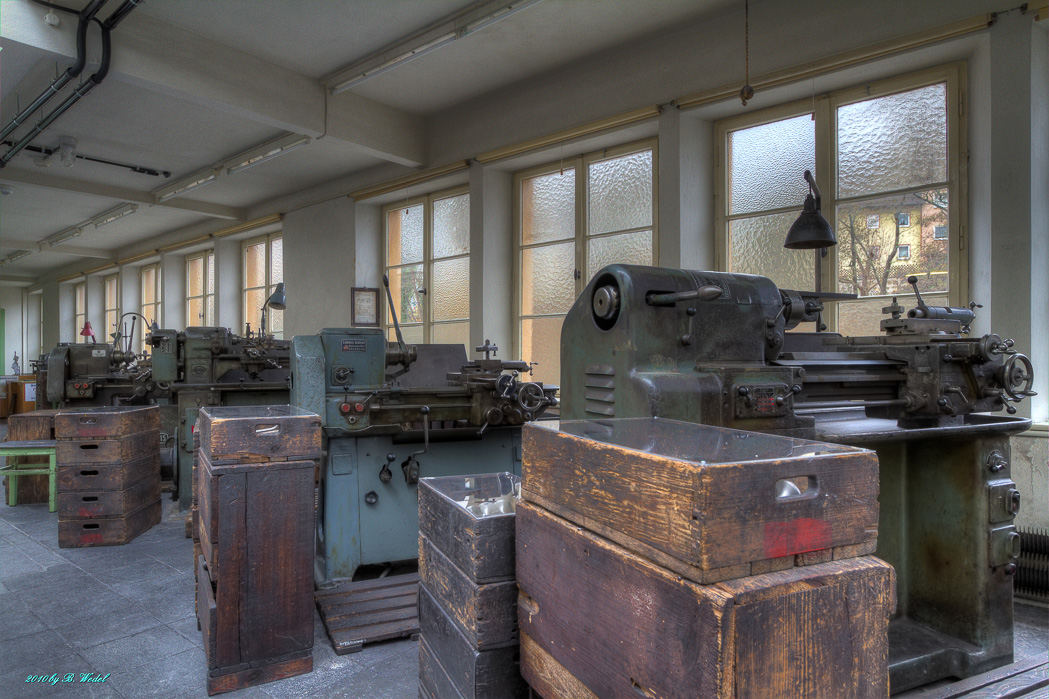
255,265
81,299
253,300
111,292
756,247
451,289
209,318
111,324
211,273
893,142
548,279
194,312
195,276
882,241
620,193
275,323
404,283
451,334
627,248
864,317
541,342
277,261
149,289
548,207
767,164
412,334
451,226
404,235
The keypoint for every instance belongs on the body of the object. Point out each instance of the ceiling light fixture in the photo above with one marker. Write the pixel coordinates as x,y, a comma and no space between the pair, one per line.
66,235
113,214
446,32
267,151
67,150
188,184
15,256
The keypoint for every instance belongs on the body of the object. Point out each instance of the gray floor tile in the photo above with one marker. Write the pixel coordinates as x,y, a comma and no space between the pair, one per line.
17,620
64,574
143,569
188,629
100,629
146,648
170,608
182,673
68,609
32,651
14,563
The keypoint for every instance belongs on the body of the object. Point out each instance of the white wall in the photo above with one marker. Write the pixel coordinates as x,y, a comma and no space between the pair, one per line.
11,302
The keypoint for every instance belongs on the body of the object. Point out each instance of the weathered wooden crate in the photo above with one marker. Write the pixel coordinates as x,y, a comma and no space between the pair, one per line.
434,682
92,504
118,450
709,503
106,422
112,531
598,620
249,672
91,477
256,530
481,547
39,424
484,674
485,614
259,434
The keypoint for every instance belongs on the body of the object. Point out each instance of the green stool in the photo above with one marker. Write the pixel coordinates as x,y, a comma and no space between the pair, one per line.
14,469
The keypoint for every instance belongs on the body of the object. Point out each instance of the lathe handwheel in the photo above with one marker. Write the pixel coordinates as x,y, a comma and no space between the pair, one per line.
530,397
1017,372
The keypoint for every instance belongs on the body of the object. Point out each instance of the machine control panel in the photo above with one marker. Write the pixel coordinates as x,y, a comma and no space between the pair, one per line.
762,400
1003,547
1003,501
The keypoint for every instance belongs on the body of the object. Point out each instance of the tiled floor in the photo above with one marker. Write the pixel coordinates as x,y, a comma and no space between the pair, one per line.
128,611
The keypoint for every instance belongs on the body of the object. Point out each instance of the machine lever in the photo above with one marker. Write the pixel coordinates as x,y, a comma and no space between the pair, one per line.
396,326
703,293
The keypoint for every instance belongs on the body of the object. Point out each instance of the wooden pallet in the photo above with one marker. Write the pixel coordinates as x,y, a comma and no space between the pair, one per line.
359,613
1021,679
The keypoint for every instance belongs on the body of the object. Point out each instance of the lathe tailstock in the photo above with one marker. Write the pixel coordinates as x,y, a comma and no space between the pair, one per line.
713,348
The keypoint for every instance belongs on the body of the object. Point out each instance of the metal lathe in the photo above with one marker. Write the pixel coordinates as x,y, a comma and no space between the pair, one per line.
715,348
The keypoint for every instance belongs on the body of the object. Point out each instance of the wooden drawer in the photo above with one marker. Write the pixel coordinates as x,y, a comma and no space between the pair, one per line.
92,477
485,614
703,500
90,504
487,674
113,531
259,434
481,547
107,451
616,624
106,422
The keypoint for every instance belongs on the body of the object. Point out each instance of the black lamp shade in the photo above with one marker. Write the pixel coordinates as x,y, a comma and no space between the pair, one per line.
811,230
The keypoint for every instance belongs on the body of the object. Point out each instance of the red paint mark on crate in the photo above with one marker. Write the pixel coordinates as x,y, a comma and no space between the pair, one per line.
797,536
90,538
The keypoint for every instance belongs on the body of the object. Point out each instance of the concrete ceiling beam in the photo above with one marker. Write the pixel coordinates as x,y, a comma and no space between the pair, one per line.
62,248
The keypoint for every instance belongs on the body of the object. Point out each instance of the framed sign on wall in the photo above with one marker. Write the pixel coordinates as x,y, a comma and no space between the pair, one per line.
365,307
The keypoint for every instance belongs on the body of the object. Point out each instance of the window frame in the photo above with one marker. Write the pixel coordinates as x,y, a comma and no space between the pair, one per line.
824,110
208,257
427,201
79,311
158,300
113,308
581,163
269,286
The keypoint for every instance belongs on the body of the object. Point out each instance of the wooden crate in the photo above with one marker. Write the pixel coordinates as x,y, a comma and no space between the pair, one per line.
434,682
39,424
482,548
485,674
702,500
244,674
107,451
92,504
91,477
597,617
106,422
485,614
112,531
256,531
259,434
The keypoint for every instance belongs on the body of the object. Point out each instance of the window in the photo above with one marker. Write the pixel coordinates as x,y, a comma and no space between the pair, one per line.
149,278
263,270
573,218
80,312
200,289
428,264
891,192
111,292
40,328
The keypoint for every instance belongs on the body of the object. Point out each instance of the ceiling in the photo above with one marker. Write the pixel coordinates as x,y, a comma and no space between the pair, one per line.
193,84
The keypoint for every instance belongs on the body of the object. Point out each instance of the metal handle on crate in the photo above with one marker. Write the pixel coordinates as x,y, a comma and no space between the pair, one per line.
267,430
787,489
